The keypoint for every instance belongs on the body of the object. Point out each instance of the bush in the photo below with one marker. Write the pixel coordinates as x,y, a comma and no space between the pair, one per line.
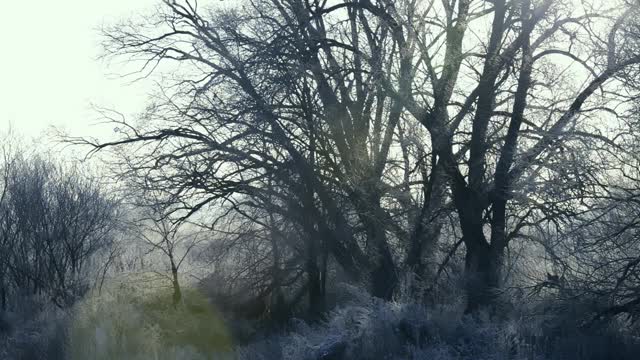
38,336
368,329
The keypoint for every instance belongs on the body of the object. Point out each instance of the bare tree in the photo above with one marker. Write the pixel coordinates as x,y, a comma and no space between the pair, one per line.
485,136
317,96
55,221
172,239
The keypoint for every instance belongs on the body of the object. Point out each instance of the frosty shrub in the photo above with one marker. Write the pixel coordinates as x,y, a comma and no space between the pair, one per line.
369,328
40,335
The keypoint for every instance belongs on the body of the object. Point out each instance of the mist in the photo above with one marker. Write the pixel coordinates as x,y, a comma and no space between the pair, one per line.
306,179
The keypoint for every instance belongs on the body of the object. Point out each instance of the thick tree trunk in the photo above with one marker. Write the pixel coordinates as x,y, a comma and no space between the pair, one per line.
421,256
422,249
421,237
384,278
483,264
426,232
483,260
416,248
382,272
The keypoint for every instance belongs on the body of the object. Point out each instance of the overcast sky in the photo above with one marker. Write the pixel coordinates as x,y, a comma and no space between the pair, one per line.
49,74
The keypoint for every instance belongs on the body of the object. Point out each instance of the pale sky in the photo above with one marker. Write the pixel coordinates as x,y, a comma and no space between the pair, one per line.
49,74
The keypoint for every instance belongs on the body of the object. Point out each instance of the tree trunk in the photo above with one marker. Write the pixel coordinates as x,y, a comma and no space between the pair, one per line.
384,278
3,297
277,307
483,264
426,233
483,260
325,263
316,296
421,256
177,294
276,304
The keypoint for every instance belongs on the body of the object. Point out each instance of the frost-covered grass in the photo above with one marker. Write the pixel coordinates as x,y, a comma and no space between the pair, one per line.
140,322
132,319
134,324
34,332
373,329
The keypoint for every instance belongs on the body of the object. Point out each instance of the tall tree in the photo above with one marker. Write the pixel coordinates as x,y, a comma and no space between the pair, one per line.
316,95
